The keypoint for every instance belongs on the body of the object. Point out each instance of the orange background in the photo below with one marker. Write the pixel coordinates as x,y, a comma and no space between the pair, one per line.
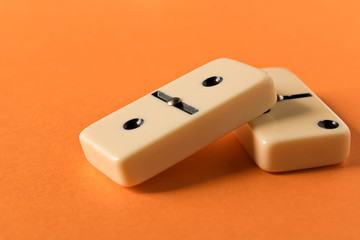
66,64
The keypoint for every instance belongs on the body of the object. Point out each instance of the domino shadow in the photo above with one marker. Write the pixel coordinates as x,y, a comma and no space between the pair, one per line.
220,159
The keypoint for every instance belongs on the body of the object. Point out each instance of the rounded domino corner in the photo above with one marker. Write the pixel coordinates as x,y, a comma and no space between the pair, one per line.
277,146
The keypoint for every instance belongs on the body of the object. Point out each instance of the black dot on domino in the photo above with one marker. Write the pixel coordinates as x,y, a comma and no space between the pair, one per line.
212,81
328,124
133,123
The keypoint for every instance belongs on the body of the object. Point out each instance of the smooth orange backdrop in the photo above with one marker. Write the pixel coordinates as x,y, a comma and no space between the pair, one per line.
66,64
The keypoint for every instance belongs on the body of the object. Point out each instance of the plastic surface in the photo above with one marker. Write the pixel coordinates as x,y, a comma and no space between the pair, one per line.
299,132
168,134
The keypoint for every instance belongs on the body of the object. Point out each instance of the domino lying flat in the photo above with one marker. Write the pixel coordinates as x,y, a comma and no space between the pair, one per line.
299,132
153,133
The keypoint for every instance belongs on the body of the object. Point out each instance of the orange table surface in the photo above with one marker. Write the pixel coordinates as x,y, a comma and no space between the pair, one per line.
66,64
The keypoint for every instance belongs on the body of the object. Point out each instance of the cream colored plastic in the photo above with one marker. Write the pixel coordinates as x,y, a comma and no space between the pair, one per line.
169,134
289,137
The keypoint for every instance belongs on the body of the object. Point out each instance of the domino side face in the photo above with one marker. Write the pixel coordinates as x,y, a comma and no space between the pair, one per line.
299,132
153,133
